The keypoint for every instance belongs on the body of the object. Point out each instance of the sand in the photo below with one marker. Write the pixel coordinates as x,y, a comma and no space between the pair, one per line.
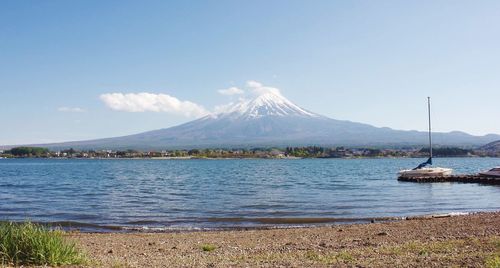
470,240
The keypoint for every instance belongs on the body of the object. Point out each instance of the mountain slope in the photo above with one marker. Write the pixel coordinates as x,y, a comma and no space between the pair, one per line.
272,120
491,147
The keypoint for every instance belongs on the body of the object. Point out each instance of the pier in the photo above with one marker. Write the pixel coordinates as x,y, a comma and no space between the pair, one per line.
473,178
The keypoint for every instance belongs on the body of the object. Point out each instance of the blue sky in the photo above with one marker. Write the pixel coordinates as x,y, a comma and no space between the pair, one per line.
367,61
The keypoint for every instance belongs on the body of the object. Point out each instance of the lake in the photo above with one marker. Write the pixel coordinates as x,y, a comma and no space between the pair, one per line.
127,194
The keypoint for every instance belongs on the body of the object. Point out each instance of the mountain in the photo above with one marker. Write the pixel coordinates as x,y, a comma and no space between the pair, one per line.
272,120
493,147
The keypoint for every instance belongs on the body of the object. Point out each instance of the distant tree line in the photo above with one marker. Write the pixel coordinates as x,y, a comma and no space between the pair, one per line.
447,151
28,151
337,152
269,152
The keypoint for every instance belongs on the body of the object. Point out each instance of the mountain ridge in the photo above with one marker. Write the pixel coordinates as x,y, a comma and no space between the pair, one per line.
270,119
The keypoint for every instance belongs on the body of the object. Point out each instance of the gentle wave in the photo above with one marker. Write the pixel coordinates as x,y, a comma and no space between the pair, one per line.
265,223
116,196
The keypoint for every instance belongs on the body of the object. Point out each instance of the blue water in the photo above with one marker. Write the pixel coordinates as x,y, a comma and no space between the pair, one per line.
171,194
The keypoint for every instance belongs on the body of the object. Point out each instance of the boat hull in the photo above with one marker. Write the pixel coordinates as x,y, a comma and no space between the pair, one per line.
426,172
495,172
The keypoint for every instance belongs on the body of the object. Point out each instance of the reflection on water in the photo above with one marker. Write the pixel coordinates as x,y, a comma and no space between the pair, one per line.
221,193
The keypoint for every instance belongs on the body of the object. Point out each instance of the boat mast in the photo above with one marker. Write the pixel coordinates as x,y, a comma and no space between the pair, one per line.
430,136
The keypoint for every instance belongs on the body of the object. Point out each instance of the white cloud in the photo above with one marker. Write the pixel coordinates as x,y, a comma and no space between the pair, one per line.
258,88
223,108
228,106
253,84
150,102
231,91
71,109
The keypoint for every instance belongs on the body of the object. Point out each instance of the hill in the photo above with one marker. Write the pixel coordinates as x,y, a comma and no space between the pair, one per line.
491,147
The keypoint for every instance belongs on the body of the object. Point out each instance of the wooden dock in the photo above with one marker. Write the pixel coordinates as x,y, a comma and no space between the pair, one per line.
474,178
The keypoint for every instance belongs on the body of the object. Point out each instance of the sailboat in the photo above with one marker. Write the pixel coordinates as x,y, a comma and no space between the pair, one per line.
424,169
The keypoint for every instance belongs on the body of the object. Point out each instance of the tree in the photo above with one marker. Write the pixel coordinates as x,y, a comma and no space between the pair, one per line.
29,151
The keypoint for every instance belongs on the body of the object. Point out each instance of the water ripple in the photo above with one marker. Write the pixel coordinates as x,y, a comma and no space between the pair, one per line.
205,193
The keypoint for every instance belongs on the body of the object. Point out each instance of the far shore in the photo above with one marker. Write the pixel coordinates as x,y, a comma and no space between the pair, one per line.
462,240
237,158
252,153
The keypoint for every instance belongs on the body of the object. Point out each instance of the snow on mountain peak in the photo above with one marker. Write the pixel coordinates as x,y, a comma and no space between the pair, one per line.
268,103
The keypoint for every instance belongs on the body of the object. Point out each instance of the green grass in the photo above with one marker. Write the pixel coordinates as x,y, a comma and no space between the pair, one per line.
208,247
493,262
33,244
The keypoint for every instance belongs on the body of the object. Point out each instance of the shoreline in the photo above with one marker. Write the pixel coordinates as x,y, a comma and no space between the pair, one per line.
243,224
441,240
238,158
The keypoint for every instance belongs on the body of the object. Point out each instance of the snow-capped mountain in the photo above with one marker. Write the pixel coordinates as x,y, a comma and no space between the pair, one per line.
272,120
267,104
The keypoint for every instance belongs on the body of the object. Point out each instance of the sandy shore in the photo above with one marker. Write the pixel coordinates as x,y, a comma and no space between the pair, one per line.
470,240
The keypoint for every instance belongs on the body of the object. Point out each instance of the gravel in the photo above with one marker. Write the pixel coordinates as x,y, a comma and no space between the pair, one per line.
465,240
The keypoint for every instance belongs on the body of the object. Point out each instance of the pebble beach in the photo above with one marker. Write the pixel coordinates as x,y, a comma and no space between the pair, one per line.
464,241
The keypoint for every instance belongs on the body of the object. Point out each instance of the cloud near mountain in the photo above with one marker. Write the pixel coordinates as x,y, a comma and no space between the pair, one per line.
257,88
231,91
150,102
252,89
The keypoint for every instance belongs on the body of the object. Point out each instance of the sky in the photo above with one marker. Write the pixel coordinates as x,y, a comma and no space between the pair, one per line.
75,70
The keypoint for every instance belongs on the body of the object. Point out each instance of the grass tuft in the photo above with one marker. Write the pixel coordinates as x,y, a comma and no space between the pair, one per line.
208,247
33,244
345,257
493,262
